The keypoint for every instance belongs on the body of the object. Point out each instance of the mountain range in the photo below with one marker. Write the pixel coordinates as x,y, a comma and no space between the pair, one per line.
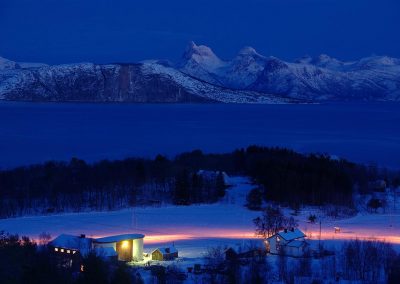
202,77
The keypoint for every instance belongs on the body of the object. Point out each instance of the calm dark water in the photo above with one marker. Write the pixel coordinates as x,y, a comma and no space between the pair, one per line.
31,132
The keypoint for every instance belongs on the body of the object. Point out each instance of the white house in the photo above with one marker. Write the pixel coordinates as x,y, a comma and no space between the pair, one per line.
289,241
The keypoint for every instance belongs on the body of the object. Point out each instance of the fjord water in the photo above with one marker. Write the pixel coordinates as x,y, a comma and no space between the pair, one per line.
36,132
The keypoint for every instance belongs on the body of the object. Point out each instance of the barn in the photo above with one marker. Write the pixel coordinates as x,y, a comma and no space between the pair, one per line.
166,253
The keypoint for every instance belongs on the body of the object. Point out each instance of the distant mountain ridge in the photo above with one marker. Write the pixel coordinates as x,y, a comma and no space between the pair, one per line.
201,76
316,79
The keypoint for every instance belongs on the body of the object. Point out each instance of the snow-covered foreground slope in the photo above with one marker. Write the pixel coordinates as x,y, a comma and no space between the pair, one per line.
197,224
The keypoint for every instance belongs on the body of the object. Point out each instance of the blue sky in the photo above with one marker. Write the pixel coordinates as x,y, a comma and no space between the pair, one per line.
63,31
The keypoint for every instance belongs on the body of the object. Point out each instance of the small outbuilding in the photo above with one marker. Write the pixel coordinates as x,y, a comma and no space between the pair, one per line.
166,253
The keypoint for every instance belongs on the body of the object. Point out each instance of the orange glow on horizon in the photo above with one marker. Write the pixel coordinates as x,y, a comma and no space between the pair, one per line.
194,233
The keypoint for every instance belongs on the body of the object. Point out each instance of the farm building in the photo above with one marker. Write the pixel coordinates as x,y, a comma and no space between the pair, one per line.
289,242
128,247
167,253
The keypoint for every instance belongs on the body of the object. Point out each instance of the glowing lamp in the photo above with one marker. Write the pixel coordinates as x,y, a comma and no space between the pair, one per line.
125,244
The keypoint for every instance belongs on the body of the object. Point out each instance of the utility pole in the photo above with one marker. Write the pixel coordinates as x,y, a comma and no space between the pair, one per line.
319,242
133,218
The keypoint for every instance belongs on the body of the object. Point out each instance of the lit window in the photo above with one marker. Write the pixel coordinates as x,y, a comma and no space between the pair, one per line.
62,250
68,251
125,244
82,268
74,251
55,249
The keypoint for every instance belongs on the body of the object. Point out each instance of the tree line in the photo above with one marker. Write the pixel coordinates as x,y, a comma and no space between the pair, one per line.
284,176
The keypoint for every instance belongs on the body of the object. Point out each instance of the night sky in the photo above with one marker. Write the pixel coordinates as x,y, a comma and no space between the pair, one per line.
64,31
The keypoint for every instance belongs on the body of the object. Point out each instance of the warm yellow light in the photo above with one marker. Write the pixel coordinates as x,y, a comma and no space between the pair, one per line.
55,249
125,244
62,250
68,251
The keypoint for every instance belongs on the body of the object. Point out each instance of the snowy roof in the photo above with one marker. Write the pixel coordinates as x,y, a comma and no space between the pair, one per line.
291,235
118,238
83,245
164,250
296,243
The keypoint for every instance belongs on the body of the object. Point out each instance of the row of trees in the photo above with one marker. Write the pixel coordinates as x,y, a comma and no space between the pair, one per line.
292,178
284,176
106,185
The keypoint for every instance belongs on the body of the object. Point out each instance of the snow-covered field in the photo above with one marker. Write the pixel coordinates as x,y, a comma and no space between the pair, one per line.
194,228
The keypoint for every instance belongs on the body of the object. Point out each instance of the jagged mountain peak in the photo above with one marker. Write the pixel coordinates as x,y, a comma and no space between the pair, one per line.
201,62
323,59
306,59
378,61
249,51
201,54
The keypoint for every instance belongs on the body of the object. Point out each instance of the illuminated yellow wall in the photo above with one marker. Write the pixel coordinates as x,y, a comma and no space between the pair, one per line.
137,249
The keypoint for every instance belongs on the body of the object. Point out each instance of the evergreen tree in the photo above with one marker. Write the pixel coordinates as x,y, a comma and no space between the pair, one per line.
182,188
220,184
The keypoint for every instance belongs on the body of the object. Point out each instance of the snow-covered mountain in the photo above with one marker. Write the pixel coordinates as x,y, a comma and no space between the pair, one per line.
316,79
201,76
149,81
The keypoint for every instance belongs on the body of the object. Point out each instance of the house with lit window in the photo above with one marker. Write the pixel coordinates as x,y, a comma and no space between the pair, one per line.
290,242
165,253
71,249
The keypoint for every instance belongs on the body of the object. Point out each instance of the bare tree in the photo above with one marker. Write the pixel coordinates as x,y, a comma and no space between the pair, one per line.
272,221
44,238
